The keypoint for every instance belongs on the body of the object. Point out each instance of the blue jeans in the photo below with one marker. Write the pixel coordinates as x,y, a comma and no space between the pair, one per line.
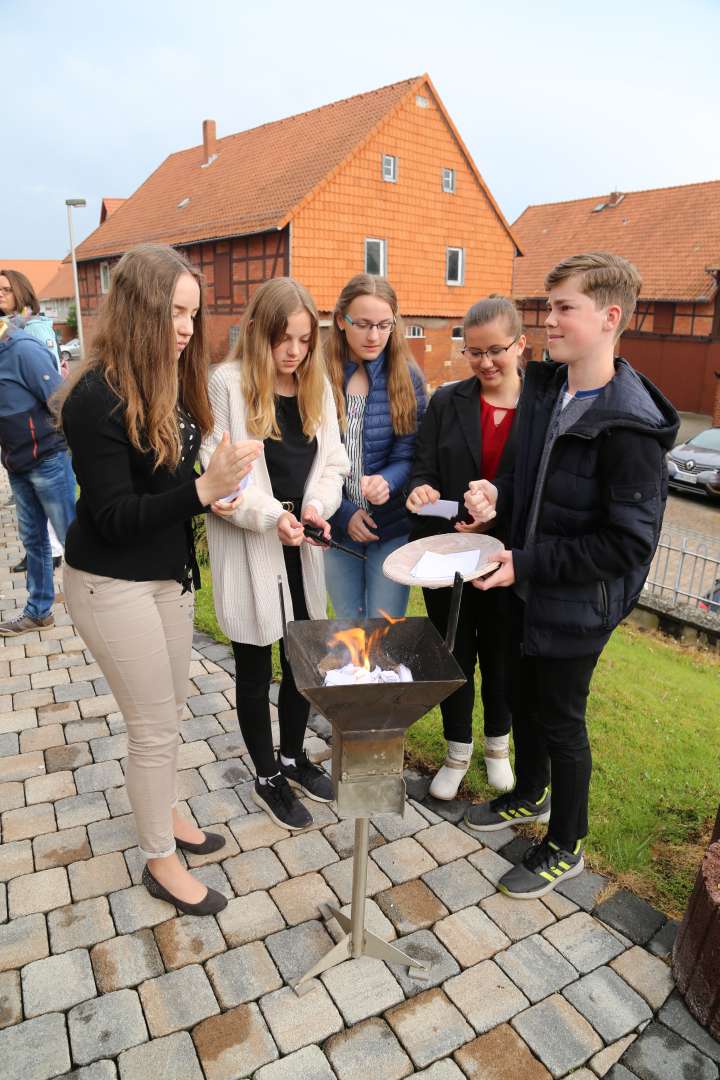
359,589
44,493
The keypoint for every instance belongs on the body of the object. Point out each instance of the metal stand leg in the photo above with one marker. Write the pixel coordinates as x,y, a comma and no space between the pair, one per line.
358,941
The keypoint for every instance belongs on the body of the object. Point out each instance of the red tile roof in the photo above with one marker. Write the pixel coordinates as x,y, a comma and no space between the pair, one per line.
39,271
256,181
109,206
671,234
61,286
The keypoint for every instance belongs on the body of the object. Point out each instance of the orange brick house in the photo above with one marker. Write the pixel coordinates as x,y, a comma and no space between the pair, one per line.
381,182
672,235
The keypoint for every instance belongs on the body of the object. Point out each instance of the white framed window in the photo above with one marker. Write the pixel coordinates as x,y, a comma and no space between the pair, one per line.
448,181
414,330
454,266
375,256
389,168
104,277
457,333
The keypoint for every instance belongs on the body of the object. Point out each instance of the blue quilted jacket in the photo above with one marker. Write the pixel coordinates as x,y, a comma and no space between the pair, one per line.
384,452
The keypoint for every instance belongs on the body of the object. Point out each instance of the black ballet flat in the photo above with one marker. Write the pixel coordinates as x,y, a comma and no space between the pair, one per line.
209,905
212,842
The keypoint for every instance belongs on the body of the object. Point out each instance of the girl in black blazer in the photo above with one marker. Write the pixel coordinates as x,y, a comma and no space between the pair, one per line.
467,434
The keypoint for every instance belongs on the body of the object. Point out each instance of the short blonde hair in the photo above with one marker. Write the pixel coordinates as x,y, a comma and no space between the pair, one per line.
606,279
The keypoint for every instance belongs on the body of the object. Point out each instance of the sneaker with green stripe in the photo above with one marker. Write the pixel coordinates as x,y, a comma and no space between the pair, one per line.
507,810
542,868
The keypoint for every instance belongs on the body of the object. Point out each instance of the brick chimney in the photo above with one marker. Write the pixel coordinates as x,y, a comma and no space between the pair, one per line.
209,139
614,199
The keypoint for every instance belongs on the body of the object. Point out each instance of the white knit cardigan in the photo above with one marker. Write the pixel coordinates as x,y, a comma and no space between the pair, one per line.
246,556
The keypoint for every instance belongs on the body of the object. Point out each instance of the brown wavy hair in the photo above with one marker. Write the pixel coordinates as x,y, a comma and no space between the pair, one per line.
23,291
134,351
398,358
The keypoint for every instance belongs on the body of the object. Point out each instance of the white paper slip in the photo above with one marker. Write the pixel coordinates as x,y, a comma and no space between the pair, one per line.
245,482
434,567
444,508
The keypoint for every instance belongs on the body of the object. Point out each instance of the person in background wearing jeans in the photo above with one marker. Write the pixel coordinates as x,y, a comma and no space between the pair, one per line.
36,458
380,399
134,417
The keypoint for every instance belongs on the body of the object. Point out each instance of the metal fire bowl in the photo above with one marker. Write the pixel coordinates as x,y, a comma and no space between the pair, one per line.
369,721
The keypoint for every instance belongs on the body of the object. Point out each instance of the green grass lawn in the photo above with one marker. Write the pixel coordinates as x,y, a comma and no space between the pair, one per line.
653,721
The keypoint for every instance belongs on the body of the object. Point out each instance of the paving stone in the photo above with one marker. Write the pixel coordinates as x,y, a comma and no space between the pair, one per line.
15,859
458,884
81,809
228,745
536,967
249,918
48,788
453,810
658,1053
490,864
60,713
134,909
203,704
189,783
212,875
115,835
172,1057
209,684
296,950
603,1061
177,1000
429,1027
307,1064
108,748
73,692
647,974
84,730
253,870
402,860
98,876
3,903
417,784
224,774
26,665
234,1044
57,983
583,941
13,684
58,758
193,754
41,738
396,826
257,830
584,889
410,907
425,947
631,915
60,848
202,727
10,999
216,806
38,892
516,850
99,1070
446,843
370,1047
662,944
485,996
362,988
559,905
470,936
675,1015
299,1021
78,926
12,795
9,744
499,1055
126,961
375,922
242,974
441,1070
28,821
342,837
22,766
106,1026
107,774
191,939
22,941
339,876
306,852
539,1027
35,1050
299,899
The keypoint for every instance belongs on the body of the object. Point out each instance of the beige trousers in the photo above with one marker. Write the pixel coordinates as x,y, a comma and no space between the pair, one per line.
140,633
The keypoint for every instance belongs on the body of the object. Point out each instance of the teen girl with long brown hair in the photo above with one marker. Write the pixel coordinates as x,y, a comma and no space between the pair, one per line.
380,399
273,387
133,418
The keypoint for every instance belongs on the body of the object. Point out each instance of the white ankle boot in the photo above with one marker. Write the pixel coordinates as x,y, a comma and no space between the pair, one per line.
497,762
447,780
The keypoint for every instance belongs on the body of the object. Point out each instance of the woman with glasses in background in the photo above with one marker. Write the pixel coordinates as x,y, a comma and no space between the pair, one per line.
380,399
468,433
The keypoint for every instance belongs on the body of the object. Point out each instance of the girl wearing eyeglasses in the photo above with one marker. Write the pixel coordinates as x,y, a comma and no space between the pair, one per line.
467,434
380,399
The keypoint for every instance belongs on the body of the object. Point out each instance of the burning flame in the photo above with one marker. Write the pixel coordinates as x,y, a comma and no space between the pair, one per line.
361,645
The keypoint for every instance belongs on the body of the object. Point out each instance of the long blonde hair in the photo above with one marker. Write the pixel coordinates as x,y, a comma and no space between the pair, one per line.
398,358
134,350
263,326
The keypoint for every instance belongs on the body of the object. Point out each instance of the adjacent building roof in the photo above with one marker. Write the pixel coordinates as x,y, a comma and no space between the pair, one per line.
39,271
671,234
249,182
108,207
61,286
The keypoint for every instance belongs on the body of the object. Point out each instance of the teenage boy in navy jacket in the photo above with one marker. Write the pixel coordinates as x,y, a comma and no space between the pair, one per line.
587,497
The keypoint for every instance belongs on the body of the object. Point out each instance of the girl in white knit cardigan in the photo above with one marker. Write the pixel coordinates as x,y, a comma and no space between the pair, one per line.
273,387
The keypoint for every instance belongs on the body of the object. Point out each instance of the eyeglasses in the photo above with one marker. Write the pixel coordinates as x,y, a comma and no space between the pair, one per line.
6,290
365,326
492,353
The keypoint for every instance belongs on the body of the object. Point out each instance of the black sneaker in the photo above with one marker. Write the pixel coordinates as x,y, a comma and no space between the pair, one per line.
304,776
506,810
281,804
21,567
544,865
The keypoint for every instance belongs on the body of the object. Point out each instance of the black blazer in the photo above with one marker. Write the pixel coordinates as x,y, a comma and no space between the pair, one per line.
448,453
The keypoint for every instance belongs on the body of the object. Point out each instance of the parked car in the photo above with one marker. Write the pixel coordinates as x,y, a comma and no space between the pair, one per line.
70,350
695,464
711,599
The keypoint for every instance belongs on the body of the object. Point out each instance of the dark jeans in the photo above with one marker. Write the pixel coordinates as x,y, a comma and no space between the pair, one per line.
253,673
548,698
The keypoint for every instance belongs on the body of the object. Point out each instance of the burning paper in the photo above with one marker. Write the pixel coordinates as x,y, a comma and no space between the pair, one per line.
363,666
350,674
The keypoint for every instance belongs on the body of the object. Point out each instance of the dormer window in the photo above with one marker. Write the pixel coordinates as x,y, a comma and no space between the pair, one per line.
389,168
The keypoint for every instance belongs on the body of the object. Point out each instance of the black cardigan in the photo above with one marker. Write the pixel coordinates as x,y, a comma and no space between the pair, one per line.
448,453
133,522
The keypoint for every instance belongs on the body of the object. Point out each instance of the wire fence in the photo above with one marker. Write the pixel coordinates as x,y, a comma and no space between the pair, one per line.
686,570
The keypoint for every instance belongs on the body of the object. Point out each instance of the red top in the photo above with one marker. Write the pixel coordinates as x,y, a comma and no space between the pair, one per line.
494,436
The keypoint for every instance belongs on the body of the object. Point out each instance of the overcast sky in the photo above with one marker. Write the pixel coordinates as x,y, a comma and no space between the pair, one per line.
555,101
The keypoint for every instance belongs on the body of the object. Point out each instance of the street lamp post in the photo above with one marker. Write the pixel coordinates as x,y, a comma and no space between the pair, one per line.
78,313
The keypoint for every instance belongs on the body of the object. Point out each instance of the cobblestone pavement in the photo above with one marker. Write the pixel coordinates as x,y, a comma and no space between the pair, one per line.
98,977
